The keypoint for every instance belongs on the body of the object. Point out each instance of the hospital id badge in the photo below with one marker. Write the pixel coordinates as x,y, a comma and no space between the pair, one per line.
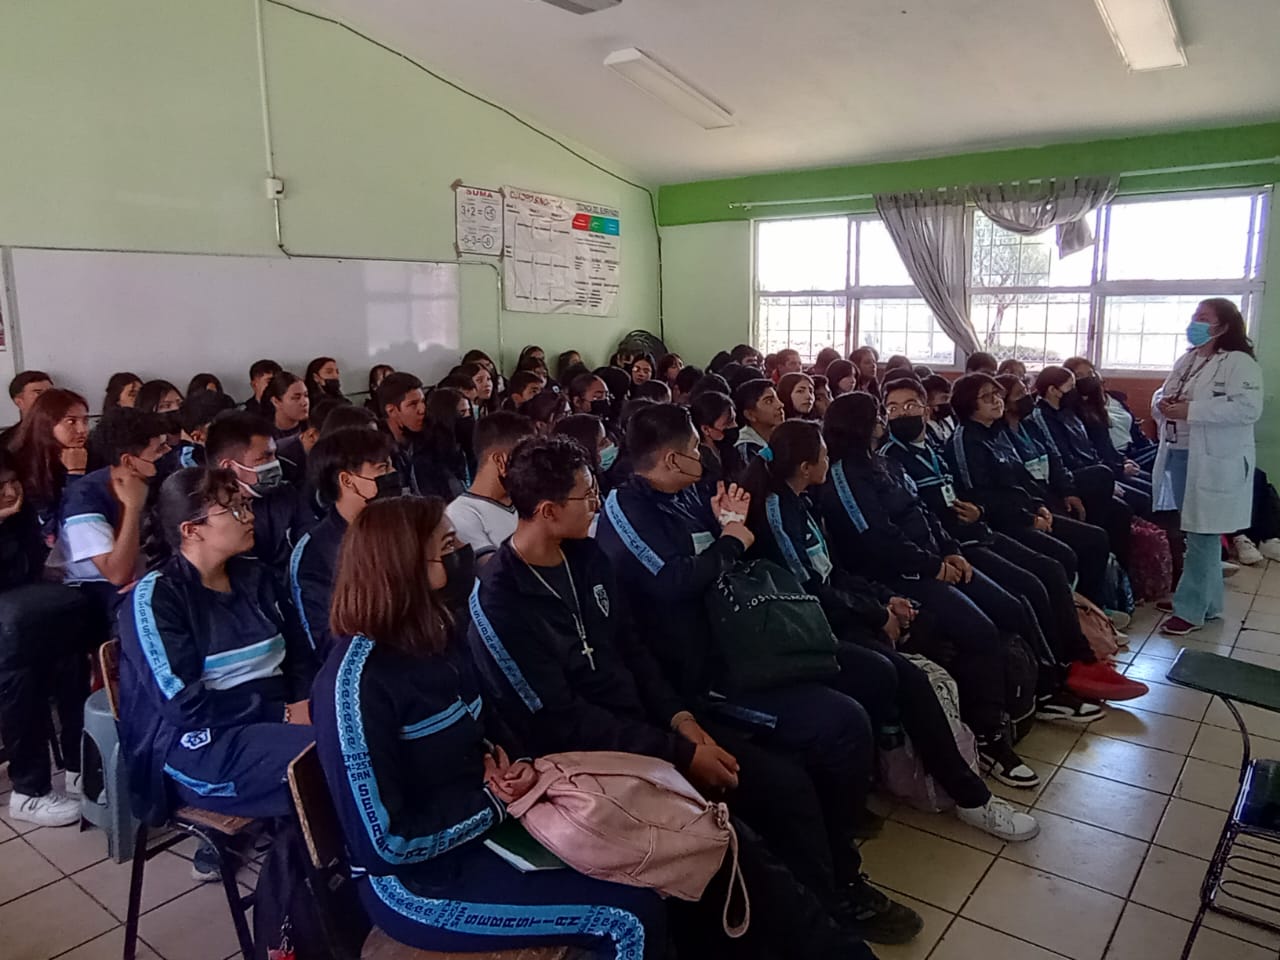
701,541
948,494
1038,468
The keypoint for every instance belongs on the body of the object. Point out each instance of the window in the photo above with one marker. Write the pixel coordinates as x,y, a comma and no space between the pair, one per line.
839,282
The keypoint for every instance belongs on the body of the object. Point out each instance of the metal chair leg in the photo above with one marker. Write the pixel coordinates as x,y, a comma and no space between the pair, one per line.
235,901
135,893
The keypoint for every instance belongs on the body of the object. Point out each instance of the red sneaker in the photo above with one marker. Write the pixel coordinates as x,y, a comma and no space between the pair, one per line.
1164,606
1177,627
1101,681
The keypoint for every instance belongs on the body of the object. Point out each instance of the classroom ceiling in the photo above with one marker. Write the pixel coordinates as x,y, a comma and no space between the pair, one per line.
824,82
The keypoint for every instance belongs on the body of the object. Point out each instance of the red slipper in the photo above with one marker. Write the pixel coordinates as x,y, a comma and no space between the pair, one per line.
1101,681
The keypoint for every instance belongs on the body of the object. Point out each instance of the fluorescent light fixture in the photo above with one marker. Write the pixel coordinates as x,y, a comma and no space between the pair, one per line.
1144,32
661,84
583,6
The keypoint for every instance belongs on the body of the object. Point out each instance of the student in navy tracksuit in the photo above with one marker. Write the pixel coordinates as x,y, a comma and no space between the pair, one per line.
597,688
668,545
402,413
350,468
880,528
401,735
243,444
194,417
871,670
215,671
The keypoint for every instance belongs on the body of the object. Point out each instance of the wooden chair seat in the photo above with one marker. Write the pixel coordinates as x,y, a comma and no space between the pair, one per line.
379,946
224,823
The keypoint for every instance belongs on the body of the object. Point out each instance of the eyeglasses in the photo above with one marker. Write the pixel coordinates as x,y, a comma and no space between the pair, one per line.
241,512
910,408
591,499
990,396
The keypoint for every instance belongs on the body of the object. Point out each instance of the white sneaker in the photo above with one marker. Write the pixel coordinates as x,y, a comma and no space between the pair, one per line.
1270,548
75,785
1244,551
1000,819
1229,570
1119,618
51,810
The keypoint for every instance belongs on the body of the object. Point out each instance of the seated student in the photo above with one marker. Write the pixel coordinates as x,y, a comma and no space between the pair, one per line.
1008,472
242,443
24,390
787,361
865,360
568,360
50,449
323,379
546,410
981,362
350,469
892,688
442,463
683,383
1013,367
101,515
716,421
482,402
668,547
798,395
483,514
571,373
712,382
122,393
399,722
940,422
588,430
618,385
158,396
821,396
760,411
377,373
214,669
204,383
641,370
495,376
589,394
748,356
261,374
897,362
524,386
47,633
293,451
288,403
402,409
347,415
1037,578
534,365
654,390
194,418
841,377
669,367
464,384
571,676
880,528
1110,408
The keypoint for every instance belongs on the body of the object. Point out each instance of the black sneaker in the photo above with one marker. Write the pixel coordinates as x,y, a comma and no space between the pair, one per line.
874,917
1065,707
999,760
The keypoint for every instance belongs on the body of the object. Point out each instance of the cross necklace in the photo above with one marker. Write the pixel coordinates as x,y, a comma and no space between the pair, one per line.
588,651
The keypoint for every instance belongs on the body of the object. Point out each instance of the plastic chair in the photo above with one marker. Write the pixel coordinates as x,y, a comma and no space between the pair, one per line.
106,794
217,830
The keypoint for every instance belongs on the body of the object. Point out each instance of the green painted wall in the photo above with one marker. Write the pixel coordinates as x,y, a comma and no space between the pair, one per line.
706,292
136,124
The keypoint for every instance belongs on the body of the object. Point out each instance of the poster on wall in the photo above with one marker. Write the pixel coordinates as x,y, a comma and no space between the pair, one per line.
560,255
477,220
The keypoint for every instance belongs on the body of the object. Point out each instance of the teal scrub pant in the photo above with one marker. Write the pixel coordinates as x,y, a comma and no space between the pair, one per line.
1199,596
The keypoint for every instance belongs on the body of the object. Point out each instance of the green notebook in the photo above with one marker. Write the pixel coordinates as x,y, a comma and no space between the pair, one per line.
512,842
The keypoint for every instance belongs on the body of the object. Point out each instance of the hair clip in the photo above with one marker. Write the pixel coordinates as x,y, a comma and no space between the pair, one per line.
766,454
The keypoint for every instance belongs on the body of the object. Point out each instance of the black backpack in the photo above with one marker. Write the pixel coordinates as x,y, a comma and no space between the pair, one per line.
1021,674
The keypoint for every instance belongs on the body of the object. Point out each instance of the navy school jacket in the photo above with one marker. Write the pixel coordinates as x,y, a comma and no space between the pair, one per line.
312,566
667,552
1068,434
557,693
990,473
402,744
184,454
280,518
195,663
878,524
925,465
788,533
1038,453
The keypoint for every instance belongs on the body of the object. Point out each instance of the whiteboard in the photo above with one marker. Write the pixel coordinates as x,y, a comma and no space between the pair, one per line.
83,315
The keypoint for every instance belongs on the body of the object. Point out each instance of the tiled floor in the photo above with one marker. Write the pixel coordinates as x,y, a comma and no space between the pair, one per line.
1129,813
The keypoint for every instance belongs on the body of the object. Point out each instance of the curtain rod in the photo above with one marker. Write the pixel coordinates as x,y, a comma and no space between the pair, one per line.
1226,165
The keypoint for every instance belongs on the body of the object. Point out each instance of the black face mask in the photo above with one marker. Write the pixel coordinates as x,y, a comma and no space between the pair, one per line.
1024,405
731,436
464,429
460,571
1071,401
333,387
600,408
1088,386
389,486
942,411
906,429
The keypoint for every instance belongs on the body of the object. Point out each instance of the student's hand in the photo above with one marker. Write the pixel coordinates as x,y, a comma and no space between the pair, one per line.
962,565
893,628
692,731
902,608
299,713
947,573
1175,409
1041,524
734,499
519,779
493,780
739,531
75,459
131,491
1075,507
967,512
713,768
9,511
1131,469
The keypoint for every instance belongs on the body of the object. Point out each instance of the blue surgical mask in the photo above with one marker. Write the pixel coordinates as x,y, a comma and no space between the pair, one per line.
1198,333
269,476
608,456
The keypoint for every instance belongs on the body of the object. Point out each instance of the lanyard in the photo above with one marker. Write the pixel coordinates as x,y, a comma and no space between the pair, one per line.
933,463
587,650
1191,373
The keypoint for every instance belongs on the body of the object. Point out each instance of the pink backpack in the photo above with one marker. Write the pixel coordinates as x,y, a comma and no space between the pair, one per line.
633,820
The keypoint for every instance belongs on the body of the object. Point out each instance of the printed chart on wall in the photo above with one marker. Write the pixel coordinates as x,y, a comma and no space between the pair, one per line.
560,255
477,220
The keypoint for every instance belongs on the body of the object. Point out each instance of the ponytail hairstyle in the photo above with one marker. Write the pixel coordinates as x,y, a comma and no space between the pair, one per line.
188,495
1235,337
793,444
115,387
850,427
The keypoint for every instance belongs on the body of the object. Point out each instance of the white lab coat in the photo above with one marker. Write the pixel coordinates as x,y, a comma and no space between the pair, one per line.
1225,403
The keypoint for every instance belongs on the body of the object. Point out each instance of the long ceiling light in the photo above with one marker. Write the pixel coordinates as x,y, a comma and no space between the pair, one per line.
660,83
1145,33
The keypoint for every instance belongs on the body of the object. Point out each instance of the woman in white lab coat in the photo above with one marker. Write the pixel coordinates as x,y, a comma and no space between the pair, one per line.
1206,410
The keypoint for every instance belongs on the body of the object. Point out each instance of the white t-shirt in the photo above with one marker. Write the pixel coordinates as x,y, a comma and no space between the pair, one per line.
481,522
1121,423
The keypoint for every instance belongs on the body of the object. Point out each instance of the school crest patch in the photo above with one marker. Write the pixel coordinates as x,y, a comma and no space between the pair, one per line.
602,598
196,739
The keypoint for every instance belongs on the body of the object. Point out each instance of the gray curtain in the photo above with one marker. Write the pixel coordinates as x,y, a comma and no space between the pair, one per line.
1030,208
930,231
